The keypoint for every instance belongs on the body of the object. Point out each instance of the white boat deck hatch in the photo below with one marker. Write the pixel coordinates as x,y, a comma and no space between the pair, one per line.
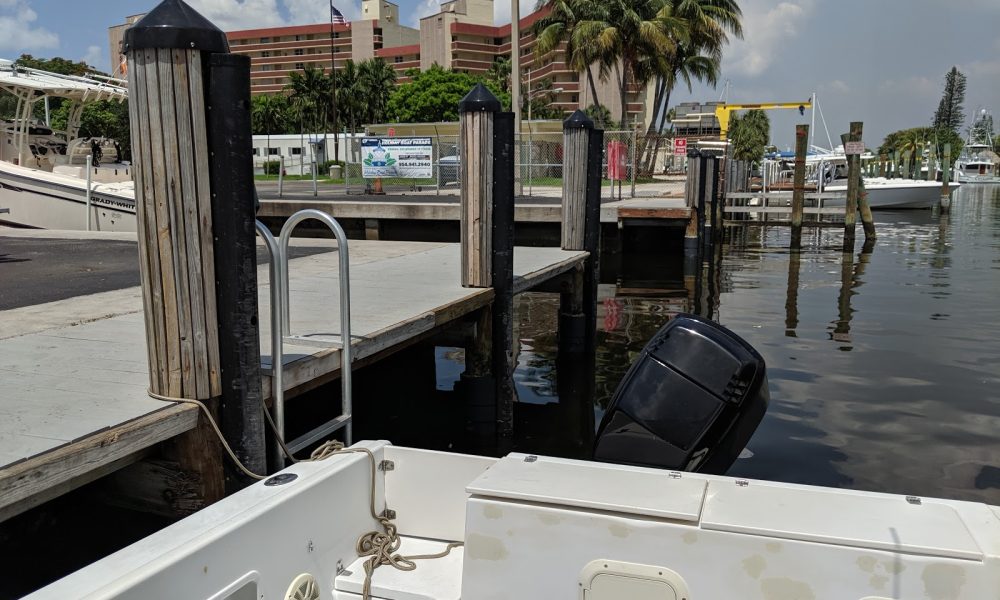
890,523
630,490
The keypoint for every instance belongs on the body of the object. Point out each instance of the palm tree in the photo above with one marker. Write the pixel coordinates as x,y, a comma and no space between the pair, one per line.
499,73
632,39
710,23
311,92
350,95
267,114
749,134
557,27
377,79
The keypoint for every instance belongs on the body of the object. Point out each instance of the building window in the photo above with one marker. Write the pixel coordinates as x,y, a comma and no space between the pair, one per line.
299,52
256,151
266,40
397,59
296,151
266,67
310,37
336,35
272,151
299,66
575,98
265,54
298,38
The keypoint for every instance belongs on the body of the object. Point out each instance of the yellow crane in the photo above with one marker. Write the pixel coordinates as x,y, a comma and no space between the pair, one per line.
723,112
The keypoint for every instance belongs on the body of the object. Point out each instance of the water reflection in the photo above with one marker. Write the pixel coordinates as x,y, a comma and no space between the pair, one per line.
900,392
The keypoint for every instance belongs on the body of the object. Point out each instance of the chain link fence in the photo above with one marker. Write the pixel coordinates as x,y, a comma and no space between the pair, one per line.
538,158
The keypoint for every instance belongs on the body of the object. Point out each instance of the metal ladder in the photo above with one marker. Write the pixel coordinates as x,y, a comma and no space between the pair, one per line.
281,327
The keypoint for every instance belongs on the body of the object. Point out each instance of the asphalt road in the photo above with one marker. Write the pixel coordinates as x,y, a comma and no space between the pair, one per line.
39,270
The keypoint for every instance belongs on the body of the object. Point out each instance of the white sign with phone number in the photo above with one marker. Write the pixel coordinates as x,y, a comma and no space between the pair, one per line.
398,157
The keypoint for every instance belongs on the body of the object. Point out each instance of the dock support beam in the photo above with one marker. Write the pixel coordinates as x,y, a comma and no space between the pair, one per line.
799,183
181,210
691,196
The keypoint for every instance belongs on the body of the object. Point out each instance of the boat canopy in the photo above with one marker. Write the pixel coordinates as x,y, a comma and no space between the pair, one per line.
32,83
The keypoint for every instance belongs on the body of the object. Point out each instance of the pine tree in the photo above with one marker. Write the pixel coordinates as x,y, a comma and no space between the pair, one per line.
949,114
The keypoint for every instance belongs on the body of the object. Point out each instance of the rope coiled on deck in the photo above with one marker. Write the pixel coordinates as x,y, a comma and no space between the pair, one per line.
381,546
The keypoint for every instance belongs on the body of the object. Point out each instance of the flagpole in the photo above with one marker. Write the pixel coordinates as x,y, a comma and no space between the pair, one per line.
333,87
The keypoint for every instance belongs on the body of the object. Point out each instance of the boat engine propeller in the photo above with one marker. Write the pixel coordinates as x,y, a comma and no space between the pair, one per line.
691,401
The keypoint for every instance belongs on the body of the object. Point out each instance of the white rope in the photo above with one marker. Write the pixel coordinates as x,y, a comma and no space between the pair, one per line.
382,546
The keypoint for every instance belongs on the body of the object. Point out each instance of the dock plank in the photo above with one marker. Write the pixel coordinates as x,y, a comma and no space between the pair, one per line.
75,405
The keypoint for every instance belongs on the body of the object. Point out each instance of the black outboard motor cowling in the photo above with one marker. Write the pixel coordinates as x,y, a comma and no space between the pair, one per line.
691,401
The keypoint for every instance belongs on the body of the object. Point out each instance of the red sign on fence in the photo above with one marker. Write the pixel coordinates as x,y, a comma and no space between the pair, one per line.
392,132
616,161
680,146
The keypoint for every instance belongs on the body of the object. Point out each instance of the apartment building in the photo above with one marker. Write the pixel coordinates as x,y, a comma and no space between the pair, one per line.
461,36
116,39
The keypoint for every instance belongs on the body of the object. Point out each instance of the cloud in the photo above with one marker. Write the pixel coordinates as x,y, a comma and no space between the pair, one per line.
16,29
306,12
424,8
768,32
501,10
233,15
835,87
910,87
94,57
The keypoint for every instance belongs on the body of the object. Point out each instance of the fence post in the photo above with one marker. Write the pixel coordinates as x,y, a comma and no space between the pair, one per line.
180,193
635,142
799,183
281,174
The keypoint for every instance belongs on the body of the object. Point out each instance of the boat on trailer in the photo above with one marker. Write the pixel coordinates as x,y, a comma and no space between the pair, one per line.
45,181
391,523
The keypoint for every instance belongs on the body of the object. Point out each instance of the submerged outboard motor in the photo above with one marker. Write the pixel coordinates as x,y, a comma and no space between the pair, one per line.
690,402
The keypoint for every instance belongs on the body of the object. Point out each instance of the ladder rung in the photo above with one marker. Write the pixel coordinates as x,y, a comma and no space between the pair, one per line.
319,433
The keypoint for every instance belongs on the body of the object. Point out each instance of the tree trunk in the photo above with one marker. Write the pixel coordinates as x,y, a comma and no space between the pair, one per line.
644,158
623,89
593,89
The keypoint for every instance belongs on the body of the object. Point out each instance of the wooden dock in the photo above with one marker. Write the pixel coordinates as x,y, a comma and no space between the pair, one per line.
75,372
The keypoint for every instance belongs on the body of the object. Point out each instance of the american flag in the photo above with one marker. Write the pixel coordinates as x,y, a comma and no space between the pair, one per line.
336,17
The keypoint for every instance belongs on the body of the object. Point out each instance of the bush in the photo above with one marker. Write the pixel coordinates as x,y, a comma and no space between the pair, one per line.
272,167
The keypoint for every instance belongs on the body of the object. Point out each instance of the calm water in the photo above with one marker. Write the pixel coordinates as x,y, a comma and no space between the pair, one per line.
884,367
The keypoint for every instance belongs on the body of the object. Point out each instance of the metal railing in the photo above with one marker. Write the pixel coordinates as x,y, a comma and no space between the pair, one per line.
277,336
344,420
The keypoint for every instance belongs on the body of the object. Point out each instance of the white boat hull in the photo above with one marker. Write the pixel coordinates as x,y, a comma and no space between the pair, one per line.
964,178
52,201
890,194
554,529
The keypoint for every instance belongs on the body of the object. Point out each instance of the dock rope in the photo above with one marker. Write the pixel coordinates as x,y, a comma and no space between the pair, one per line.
381,546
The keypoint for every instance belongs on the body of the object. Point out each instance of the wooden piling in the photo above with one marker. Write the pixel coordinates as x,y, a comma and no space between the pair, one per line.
854,182
691,200
502,264
799,183
576,141
477,112
946,178
166,51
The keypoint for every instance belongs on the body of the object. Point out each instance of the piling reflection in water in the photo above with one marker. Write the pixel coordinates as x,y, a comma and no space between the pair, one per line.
897,392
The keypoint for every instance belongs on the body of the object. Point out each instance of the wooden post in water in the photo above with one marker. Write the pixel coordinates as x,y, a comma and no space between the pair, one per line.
487,249
946,178
181,212
854,184
799,183
691,200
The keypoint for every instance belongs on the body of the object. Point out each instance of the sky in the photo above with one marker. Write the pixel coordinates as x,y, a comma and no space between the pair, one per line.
878,61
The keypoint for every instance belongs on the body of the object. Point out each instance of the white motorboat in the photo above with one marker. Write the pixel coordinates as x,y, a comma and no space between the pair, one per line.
889,194
392,523
883,193
977,163
44,176
532,527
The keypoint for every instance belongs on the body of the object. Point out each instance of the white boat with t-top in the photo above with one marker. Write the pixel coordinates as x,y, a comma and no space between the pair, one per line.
977,163
44,177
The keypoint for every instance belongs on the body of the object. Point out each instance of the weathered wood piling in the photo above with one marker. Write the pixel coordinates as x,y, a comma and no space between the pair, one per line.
196,238
799,183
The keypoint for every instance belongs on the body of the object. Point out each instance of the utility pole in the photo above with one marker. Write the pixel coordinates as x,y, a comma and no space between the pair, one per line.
333,85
